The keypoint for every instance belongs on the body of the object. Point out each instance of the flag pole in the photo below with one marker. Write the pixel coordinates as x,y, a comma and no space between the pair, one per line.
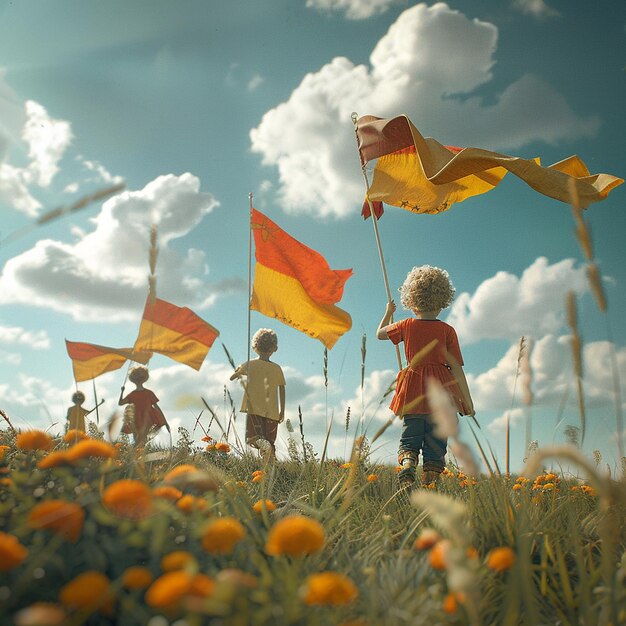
249,271
376,233
95,399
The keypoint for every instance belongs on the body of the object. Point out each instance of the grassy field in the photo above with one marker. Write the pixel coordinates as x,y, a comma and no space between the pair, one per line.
200,534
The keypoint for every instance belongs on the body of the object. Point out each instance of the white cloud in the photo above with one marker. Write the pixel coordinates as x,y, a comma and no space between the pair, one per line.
37,340
535,8
255,82
428,55
104,274
354,9
46,140
552,382
507,307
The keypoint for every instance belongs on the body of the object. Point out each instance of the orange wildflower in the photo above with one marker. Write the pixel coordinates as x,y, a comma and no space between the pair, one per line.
472,553
167,492
268,505
258,478
501,559
5,482
329,589
73,435
588,490
221,535
41,614
295,535
548,486
61,517
187,475
54,459
222,446
397,469
136,577
451,602
437,557
372,478
207,439
517,487
128,498
210,447
189,504
347,465
12,552
167,591
3,451
91,448
427,539
33,440
89,591
551,478
179,559
257,473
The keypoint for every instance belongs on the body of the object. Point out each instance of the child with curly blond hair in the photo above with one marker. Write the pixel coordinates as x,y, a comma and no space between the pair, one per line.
147,412
432,351
264,394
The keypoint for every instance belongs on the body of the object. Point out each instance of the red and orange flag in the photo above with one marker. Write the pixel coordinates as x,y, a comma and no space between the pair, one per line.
176,332
90,360
295,284
421,175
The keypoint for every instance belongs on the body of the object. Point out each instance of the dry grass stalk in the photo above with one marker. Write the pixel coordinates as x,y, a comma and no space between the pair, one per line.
154,252
576,343
526,372
593,275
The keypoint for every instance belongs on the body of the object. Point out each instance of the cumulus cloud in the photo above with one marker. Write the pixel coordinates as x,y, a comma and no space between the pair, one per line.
354,9
103,274
535,8
255,82
15,335
429,56
46,140
506,306
553,381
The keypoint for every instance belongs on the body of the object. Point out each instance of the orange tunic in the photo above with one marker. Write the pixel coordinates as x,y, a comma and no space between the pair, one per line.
417,334
146,415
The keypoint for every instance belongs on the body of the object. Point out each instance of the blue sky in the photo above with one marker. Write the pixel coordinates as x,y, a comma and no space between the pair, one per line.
195,104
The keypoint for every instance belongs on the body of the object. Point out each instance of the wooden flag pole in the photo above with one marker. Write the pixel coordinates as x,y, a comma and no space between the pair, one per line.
376,233
249,270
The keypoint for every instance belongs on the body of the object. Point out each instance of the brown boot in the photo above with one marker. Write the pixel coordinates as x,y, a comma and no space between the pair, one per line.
430,477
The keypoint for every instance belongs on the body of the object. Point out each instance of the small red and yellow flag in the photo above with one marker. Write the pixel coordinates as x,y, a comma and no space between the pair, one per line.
176,332
90,360
295,284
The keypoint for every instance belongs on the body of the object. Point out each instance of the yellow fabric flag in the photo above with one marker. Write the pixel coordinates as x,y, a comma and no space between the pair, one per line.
423,176
295,285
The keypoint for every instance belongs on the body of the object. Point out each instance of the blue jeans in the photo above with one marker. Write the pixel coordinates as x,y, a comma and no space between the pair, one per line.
417,435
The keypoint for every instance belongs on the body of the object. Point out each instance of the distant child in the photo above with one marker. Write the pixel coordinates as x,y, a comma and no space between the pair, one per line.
147,412
426,291
264,394
76,413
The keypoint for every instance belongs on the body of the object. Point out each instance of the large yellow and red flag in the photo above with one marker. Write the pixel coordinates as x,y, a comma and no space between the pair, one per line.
295,284
90,360
176,332
421,175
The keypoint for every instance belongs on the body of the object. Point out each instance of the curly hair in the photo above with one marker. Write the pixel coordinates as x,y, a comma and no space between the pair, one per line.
265,340
426,288
138,374
78,397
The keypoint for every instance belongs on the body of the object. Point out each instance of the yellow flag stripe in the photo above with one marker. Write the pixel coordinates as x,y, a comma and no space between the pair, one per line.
170,343
284,298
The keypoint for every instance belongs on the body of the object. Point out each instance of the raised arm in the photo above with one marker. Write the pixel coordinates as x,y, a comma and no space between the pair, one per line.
123,400
381,333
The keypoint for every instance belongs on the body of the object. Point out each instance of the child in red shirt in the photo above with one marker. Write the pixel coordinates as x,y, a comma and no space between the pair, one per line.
432,351
147,411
